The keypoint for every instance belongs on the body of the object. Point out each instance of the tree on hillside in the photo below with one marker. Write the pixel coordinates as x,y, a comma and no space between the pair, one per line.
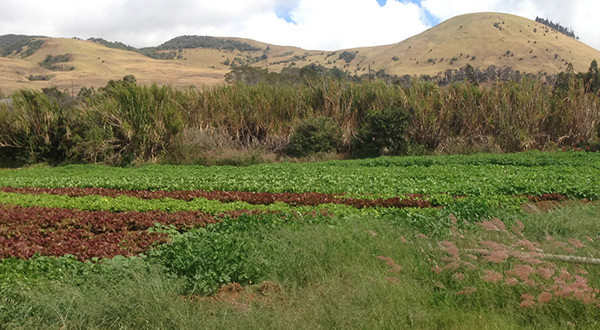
565,80
129,79
347,56
566,31
470,75
592,78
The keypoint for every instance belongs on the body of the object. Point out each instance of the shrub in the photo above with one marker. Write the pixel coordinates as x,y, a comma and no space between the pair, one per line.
40,77
139,123
347,56
39,127
383,132
312,135
50,61
226,252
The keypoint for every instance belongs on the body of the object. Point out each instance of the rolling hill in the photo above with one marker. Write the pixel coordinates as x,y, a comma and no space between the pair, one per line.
481,40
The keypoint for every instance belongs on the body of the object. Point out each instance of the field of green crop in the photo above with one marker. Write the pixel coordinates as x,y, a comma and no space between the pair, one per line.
392,242
572,174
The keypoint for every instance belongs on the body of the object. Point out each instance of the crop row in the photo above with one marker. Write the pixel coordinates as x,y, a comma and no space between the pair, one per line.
214,207
25,231
126,203
573,175
255,198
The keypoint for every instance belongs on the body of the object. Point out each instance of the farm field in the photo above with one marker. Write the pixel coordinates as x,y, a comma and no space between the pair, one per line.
481,241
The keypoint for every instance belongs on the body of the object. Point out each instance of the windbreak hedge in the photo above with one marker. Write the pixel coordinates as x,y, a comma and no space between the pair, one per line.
125,123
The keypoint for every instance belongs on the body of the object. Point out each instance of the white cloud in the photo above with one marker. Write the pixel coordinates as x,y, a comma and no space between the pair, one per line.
336,24
125,20
320,24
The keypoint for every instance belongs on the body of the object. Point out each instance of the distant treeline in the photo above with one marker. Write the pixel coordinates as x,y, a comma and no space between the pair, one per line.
207,42
294,75
556,26
27,45
298,113
113,44
15,43
170,49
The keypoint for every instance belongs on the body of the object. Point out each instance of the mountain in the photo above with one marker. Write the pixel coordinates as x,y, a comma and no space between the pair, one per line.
481,40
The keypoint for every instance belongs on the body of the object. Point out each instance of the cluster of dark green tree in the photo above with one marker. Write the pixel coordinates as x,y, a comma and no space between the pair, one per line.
319,111
556,26
15,43
51,62
170,49
294,75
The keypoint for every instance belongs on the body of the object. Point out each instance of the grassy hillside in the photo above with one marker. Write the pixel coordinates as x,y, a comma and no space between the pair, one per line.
95,64
508,41
482,40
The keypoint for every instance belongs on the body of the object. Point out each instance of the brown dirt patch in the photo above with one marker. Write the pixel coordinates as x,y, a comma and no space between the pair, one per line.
548,206
269,289
242,298
542,206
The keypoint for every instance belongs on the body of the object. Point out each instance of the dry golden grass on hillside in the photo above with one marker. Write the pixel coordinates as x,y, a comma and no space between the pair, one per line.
95,65
481,39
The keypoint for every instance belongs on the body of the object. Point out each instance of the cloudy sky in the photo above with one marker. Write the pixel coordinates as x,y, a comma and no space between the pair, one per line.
310,24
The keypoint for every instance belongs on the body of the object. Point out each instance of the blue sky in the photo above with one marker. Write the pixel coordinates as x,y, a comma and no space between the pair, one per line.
284,12
428,18
310,24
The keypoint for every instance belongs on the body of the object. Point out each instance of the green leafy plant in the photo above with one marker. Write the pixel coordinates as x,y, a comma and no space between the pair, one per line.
383,132
219,254
314,135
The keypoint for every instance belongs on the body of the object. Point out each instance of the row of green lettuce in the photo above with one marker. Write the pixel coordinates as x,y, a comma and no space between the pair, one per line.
473,207
573,174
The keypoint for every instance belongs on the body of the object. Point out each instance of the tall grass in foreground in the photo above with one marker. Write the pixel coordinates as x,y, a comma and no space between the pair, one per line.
123,122
341,273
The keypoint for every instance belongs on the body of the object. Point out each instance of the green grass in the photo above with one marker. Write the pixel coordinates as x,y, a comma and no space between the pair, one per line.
329,275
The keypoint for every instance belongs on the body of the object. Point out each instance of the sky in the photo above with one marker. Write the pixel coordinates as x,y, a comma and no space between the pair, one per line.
309,24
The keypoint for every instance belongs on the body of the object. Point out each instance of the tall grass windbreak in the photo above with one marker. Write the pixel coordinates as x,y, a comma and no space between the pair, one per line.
124,122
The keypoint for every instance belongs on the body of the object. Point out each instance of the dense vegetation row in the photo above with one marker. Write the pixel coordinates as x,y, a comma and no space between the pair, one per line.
126,204
257,198
556,26
572,174
125,122
52,231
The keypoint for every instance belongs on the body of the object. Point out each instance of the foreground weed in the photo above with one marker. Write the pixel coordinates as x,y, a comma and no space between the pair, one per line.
494,264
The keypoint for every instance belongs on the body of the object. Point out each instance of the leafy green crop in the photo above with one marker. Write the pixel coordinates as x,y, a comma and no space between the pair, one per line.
218,254
572,174
125,203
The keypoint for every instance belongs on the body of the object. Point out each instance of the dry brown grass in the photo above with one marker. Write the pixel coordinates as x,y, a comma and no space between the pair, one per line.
472,35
